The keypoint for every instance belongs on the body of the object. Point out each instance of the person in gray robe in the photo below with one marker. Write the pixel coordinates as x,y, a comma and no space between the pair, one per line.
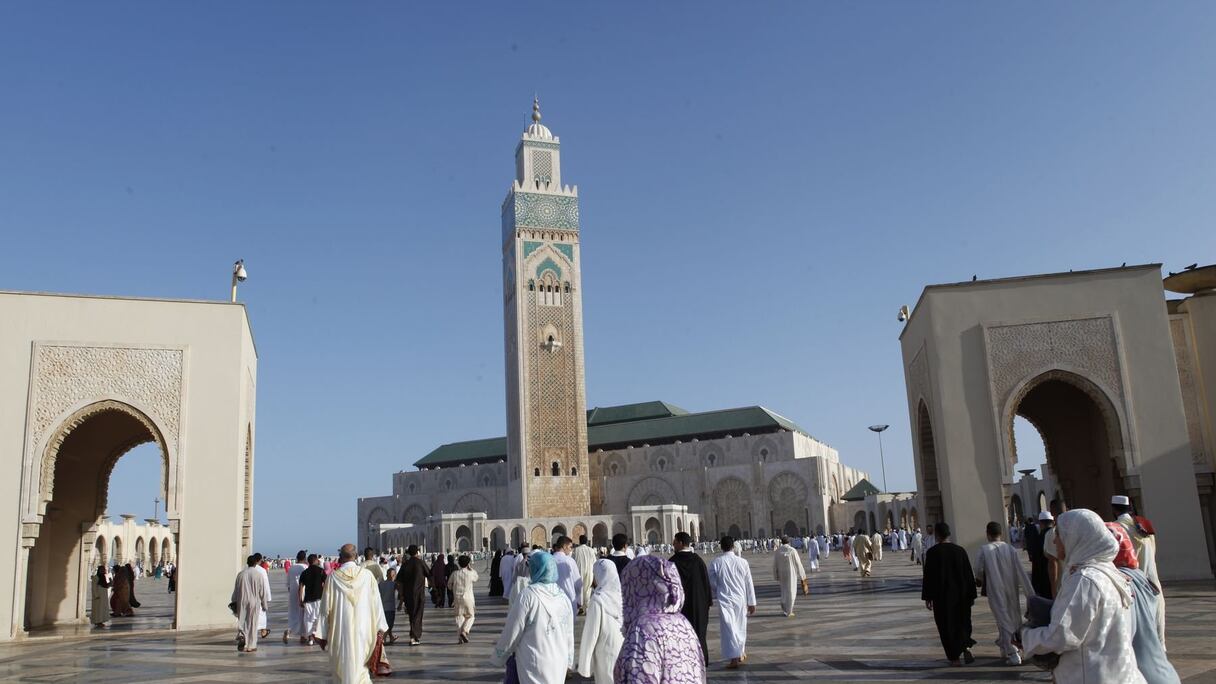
249,601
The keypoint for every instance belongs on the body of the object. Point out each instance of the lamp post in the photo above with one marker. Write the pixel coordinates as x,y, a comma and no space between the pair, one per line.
879,429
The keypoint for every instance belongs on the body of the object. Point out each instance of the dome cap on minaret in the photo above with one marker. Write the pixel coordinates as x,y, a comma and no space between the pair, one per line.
537,129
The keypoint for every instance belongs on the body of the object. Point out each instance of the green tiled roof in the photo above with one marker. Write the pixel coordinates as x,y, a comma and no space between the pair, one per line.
631,412
860,491
476,451
616,427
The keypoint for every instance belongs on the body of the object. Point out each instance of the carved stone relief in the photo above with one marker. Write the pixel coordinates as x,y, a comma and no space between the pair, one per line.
66,376
1190,396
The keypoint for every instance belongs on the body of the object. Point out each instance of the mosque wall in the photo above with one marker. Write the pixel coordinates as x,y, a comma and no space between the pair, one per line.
753,484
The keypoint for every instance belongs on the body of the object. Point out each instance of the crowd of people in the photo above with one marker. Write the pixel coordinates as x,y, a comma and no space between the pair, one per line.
1092,611
112,590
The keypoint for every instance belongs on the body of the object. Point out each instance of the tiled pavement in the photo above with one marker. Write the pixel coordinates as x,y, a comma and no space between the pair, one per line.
849,630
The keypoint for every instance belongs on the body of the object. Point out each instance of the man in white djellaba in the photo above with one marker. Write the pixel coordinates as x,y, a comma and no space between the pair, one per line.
352,617
790,575
584,557
730,580
1000,573
812,554
295,607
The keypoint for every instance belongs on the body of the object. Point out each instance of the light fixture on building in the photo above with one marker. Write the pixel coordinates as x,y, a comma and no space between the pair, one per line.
904,314
238,276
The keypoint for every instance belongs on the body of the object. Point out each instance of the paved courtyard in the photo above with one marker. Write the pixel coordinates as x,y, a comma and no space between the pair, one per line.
849,630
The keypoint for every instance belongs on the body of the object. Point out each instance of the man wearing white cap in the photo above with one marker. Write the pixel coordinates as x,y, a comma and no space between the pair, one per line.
1039,576
1144,541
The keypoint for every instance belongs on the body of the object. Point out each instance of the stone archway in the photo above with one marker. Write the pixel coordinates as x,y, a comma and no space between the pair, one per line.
732,505
539,537
72,495
464,539
558,531
653,530
787,493
599,535
1081,433
859,522
498,539
930,494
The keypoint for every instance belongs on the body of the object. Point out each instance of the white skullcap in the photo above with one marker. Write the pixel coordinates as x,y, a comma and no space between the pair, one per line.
1045,515
1120,500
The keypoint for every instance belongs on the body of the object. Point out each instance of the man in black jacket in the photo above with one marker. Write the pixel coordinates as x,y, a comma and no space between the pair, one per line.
411,588
948,589
695,579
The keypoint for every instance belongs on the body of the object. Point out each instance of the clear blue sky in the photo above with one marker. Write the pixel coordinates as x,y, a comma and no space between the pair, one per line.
762,187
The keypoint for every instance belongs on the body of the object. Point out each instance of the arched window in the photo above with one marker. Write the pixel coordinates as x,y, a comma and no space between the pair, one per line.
614,468
573,472
556,469
447,485
550,290
713,458
536,472
662,464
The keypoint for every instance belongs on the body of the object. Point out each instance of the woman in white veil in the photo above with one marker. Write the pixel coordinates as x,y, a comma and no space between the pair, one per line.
1091,619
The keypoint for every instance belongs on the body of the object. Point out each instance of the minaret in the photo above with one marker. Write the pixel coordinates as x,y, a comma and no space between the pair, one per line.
543,316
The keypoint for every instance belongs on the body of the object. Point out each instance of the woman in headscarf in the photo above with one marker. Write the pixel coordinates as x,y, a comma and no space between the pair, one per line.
100,611
120,596
602,637
660,646
439,581
450,571
495,574
1091,619
538,637
1150,653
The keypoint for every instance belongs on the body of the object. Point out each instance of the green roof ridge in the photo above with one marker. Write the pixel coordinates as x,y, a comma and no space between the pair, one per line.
652,422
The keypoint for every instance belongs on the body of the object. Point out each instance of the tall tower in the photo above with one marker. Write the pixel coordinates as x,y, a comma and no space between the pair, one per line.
543,316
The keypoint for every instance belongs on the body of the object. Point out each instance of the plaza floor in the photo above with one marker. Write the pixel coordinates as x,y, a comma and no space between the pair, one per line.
848,630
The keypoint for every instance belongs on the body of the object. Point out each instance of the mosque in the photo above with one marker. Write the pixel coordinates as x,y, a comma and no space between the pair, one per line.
647,470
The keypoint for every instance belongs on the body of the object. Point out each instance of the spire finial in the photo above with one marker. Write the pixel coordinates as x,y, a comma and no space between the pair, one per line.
536,109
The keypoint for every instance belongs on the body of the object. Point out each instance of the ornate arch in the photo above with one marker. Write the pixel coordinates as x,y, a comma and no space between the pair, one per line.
787,494
414,514
77,418
378,515
732,503
651,491
764,450
473,502
1112,417
613,459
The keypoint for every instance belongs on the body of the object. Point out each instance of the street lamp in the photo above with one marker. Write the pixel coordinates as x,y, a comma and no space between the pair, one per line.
881,460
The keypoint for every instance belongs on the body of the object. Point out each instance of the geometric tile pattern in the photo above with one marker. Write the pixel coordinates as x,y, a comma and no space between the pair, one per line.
848,630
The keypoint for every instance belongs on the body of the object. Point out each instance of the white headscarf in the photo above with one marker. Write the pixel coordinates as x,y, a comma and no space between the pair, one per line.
1088,543
607,587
